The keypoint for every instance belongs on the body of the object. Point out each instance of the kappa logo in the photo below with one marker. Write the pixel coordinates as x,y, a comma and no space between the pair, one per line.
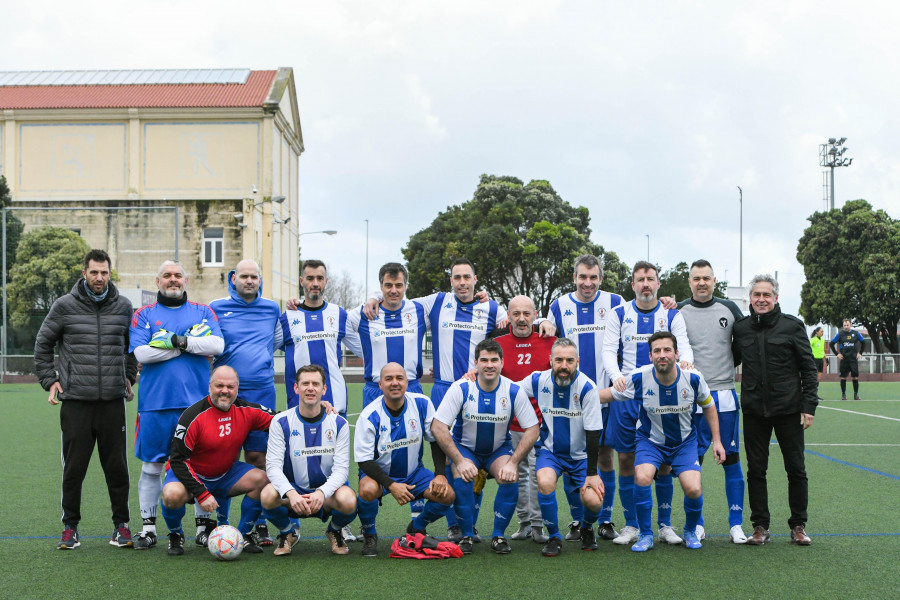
471,398
665,506
630,321
697,463
545,390
732,444
568,313
649,393
295,322
723,323
294,433
448,305
383,428
736,508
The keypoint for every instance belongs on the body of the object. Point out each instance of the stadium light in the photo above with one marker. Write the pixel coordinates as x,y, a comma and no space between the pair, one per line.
326,232
831,155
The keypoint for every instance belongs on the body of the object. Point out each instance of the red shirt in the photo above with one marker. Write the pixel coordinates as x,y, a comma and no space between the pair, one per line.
521,358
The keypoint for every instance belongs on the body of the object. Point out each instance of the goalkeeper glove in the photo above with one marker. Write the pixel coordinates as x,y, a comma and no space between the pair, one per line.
168,340
199,330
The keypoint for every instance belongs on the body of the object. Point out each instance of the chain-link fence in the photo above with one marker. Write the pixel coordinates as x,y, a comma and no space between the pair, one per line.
137,239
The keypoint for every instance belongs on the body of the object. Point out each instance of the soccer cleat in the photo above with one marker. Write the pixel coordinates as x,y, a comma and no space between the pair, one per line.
176,544
262,532
121,537
251,543
588,541
691,540
348,535
204,529
69,540
337,541
286,542
475,537
500,546
574,532
607,531
628,535
144,540
454,533
466,544
701,532
759,536
553,547
370,545
668,535
737,535
857,398
523,533
843,397
539,536
644,543
412,529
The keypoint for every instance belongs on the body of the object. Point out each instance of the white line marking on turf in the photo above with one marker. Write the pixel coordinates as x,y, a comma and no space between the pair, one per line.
854,445
853,412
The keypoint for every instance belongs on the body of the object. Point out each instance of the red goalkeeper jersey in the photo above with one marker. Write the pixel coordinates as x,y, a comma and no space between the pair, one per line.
521,358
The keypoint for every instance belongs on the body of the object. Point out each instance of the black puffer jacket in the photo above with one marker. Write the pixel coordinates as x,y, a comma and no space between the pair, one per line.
93,346
779,373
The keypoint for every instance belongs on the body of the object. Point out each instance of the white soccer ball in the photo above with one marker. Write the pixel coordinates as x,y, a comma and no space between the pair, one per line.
225,542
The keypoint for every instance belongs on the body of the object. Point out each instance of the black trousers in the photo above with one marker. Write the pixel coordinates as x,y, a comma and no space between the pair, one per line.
789,433
83,424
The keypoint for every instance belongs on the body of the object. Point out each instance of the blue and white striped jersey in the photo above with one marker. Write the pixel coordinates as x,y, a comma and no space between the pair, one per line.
456,328
309,455
666,411
567,412
314,337
392,336
628,328
585,324
480,420
394,443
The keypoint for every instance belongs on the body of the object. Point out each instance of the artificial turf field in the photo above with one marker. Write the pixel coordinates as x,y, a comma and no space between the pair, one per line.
853,464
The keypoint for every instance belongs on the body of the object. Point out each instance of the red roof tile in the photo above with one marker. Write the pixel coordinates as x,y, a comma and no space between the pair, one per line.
230,95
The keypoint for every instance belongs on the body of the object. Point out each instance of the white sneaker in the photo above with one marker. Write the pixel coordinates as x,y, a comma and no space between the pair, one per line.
627,535
701,532
523,533
347,534
737,535
538,535
668,535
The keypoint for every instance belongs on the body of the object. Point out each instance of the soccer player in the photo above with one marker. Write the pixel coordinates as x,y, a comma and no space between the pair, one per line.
848,346
526,351
204,465
569,441
312,335
308,462
479,413
581,317
625,348
667,396
709,321
172,339
249,324
388,444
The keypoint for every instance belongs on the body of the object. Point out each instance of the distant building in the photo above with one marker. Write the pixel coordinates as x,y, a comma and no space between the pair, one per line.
219,148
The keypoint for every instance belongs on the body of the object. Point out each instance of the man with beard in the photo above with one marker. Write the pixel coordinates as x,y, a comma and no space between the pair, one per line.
172,339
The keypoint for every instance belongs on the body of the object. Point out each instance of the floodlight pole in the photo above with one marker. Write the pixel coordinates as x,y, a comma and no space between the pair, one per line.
741,237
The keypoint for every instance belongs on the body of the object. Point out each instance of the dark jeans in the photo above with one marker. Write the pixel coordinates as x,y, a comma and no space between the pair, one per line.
83,423
789,433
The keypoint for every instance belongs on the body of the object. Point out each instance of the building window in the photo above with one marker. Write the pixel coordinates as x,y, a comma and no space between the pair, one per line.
214,247
76,230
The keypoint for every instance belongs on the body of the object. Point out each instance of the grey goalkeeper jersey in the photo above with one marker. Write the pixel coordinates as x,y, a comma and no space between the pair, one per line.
709,327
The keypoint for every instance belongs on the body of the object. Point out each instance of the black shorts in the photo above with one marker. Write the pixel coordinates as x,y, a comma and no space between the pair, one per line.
851,367
820,364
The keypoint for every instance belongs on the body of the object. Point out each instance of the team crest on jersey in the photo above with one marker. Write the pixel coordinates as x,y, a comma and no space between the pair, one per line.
684,394
408,319
411,424
331,321
602,312
479,313
575,399
568,313
329,434
723,323
504,401
661,323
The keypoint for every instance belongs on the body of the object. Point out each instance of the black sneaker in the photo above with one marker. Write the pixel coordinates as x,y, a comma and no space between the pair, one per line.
144,540
69,540
176,544
454,534
370,545
466,544
588,541
412,529
843,397
500,546
857,398
607,531
553,547
204,528
262,532
121,536
251,543
574,532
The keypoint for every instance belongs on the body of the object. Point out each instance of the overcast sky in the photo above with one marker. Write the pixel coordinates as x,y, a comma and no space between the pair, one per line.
648,113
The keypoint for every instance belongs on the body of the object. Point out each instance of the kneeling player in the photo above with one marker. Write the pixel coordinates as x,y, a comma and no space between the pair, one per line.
203,463
569,442
308,462
388,445
668,396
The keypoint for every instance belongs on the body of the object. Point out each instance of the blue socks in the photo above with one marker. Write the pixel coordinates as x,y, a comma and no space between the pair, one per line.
465,505
173,518
626,495
367,510
643,506
339,519
549,513
222,511
734,493
576,508
431,513
504,506
250,511
693,508
664,492
609,495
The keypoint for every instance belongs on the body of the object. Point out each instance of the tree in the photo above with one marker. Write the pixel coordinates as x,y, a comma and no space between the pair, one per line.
676,282
50,260
14,227
343,291
849,256
523,239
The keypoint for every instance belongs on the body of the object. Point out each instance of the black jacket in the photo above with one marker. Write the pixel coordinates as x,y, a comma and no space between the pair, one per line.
779,373
93,346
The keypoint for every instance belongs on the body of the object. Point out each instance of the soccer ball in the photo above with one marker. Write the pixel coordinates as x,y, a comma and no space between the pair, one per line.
225,542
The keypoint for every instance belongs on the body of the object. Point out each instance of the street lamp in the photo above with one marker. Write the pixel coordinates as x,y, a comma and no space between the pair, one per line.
831,155
325,231
647,235
741,242
367,256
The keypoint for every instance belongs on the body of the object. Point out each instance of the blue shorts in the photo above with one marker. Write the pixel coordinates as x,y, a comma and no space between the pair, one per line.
438,391
221,485
258,441
420,478
729,423
575,469
484,461
621,425
682,458
371,391
153,434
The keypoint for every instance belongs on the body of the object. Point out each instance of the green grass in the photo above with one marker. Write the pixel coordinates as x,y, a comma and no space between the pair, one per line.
854,522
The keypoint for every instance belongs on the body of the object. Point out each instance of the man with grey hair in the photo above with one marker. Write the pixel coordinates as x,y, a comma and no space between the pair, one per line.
172,339
778,393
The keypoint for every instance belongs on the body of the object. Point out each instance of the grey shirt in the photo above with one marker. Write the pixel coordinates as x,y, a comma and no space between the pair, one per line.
709,326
